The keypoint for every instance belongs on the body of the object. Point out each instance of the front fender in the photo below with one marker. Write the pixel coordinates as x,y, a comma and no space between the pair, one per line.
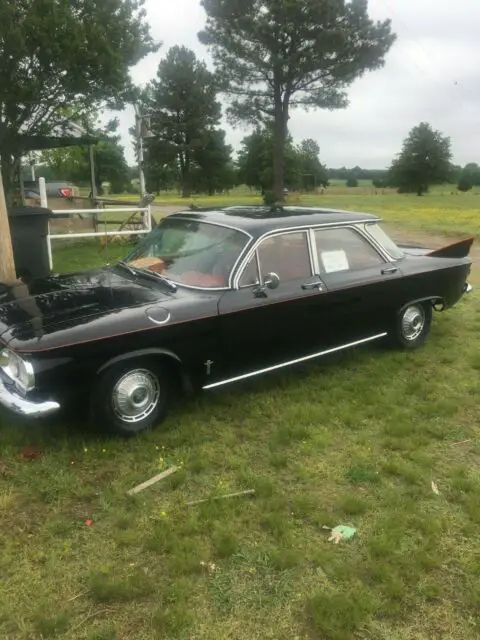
140,353
156,352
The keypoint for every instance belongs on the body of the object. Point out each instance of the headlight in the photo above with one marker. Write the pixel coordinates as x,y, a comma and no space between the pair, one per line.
18,370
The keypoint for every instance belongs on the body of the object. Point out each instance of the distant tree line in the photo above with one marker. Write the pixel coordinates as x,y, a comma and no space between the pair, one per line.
357,173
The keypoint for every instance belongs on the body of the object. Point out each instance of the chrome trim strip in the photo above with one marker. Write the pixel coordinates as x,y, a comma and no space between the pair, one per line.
24,407
296,361
319,225
468,288
259,268
238,261
159,322
312,248
186,216
254,252
376,244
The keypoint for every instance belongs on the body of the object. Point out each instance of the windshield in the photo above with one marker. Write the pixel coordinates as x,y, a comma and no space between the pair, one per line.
188,252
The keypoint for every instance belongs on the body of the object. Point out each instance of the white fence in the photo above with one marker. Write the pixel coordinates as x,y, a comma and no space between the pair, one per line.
146,214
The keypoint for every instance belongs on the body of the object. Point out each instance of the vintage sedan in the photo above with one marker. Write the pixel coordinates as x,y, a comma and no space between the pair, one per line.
213,297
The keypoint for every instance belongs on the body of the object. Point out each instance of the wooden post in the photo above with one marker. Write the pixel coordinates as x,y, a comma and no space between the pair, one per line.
93,180
7,264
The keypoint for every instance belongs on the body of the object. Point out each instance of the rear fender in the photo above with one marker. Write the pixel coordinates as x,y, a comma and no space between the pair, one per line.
437,302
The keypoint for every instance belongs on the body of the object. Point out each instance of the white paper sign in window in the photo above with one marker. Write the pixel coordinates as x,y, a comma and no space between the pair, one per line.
334,261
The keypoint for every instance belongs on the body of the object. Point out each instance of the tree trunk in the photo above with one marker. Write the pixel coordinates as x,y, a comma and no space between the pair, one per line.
7,264
9,165
279,151
184,162
186,188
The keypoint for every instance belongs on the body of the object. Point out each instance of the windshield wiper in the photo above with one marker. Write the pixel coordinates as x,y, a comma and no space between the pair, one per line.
159,276
122,263
153,275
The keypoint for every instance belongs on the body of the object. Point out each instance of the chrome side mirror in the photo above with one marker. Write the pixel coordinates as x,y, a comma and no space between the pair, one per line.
272,281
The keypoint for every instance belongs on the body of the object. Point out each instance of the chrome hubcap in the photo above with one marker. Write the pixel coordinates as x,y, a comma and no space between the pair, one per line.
413,322
136,395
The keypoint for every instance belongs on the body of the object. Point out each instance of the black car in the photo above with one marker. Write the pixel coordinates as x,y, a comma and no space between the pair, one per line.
212,297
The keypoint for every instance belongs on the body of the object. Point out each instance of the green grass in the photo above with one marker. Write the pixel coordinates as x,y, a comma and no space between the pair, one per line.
355,440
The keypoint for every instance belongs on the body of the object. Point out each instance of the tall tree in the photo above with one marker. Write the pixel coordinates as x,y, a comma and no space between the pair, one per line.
255,161
313,173
161,166
214,164
275,55
182,103
471,173
425,160
58,54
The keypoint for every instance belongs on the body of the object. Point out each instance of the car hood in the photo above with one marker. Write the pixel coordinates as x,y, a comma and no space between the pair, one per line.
30,312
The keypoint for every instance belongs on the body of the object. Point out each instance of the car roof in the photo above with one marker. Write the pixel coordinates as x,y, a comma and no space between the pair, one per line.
257,220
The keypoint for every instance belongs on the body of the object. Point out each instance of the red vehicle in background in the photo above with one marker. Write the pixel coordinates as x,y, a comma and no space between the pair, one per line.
54,190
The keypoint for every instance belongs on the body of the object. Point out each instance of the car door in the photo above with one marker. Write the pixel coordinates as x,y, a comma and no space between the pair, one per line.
363,286
263,319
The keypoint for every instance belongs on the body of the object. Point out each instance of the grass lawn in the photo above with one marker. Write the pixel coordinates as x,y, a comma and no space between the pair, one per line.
356,440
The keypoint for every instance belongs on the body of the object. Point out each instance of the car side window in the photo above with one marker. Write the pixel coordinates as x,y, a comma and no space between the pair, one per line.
344,250
287,255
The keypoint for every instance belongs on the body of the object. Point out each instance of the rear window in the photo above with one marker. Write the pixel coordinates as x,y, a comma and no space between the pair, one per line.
384,240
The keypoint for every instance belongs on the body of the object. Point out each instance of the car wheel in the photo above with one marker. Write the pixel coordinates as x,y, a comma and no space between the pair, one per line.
130,398
413,325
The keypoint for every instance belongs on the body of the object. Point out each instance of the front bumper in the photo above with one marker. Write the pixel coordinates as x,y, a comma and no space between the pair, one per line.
13,401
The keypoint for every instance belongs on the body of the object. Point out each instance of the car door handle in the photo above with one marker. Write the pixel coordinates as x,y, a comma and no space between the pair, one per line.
389,270
313,283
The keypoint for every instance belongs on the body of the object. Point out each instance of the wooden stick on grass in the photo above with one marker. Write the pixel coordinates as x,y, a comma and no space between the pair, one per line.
228,495
155,479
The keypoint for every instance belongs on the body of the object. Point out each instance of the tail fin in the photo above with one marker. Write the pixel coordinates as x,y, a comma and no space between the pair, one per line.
459,249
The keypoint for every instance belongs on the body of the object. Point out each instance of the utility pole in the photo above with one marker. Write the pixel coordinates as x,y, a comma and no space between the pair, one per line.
143,132
141,157
7,264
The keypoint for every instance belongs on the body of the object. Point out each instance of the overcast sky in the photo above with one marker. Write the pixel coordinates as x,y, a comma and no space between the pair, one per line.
431,74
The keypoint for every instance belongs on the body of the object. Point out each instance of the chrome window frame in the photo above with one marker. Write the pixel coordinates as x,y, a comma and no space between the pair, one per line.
254,252
356,225
246,248
357,229
378,244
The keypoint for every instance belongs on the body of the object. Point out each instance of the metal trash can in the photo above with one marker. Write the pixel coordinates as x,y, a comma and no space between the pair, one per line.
29,230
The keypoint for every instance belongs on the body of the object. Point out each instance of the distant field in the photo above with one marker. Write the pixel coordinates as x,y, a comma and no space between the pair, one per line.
444,210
